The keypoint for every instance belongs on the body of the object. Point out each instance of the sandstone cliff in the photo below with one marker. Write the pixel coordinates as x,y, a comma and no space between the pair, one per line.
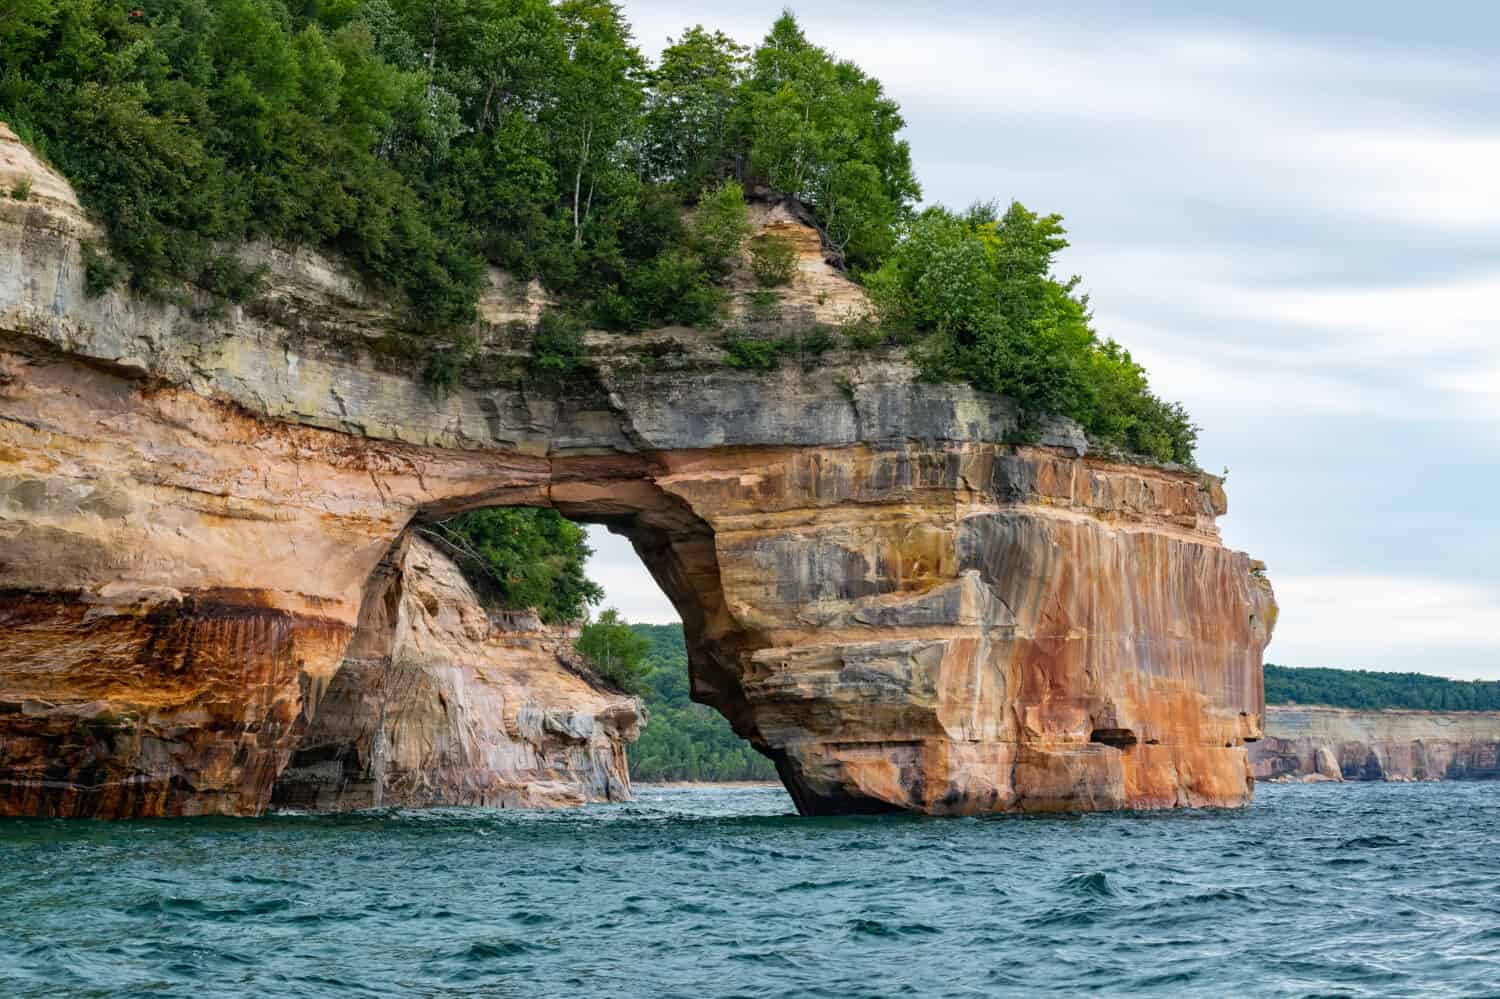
1342,744
438,702
900,607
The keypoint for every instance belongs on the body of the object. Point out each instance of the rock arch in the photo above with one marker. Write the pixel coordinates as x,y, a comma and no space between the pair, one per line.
899,605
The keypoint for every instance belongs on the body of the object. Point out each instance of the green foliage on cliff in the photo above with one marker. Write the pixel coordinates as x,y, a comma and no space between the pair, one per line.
1364,689
423,139
188,125
683,740
720,225
523,558
426,139
819,128
978,288
616,651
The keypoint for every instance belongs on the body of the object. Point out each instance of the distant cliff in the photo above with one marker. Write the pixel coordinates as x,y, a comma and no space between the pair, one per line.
1328,743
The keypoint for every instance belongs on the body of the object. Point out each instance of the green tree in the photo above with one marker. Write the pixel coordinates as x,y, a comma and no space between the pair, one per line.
24,26
690,108
615,651
824,131
978,288
524,558
600,93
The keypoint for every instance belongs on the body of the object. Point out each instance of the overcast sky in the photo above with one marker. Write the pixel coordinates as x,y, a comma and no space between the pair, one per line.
1290,216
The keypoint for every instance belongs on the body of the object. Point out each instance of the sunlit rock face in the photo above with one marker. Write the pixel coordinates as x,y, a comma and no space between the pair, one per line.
1316,742
879,591
439,702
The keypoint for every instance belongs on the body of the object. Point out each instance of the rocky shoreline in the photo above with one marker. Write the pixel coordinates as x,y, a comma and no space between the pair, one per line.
1316,743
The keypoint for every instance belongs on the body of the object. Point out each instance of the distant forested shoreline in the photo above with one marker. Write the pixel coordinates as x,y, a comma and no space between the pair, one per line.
1373,691
684,741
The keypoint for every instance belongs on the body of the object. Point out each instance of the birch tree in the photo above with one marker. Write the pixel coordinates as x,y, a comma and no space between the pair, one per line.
599,98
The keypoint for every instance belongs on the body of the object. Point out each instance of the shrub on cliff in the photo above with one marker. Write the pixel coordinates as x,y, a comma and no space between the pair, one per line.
977,288
557,347
615,651
720,225
773,260
523,558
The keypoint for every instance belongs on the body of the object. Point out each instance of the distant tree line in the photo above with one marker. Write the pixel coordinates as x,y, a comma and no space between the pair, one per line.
683,740
1350,688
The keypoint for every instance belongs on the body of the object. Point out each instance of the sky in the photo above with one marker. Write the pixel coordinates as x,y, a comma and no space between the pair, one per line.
1290,216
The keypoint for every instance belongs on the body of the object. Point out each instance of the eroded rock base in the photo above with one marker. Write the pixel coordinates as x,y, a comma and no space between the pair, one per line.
183,706
439,702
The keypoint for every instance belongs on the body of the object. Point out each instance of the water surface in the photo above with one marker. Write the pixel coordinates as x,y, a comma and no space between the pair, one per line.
1365,890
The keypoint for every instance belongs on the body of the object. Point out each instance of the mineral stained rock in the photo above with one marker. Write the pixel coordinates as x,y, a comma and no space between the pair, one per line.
438,702
1342,744
880,591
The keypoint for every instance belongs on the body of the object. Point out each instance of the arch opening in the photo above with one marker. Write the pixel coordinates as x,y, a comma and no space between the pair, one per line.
456,691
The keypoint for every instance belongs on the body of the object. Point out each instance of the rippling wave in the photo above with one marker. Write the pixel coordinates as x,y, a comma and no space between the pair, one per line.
1319,890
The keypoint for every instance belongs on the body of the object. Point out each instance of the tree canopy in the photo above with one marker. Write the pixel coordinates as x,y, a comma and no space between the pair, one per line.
524,558
1373,691
819,128
978,287
426,139
616,651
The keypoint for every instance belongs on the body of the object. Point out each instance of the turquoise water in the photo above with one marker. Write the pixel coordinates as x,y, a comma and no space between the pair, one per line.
1367,890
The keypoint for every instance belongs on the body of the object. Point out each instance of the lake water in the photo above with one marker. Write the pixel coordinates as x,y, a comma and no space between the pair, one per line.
1365,890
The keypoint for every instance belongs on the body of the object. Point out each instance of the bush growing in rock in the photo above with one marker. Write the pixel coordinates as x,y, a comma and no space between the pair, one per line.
773,260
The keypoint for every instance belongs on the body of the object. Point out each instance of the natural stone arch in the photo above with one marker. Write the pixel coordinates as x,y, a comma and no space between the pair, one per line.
577,752
883,591
930,625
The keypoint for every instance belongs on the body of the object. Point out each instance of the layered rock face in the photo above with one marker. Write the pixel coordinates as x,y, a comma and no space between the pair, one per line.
897,605
438,702
1342,744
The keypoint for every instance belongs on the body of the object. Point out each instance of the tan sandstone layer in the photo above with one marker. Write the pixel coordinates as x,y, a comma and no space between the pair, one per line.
1343,744
900,607
438,702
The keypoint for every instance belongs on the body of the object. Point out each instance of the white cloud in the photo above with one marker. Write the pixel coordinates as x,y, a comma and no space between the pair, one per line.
1480,386
1395,321
628,587
1420,175
1388,622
